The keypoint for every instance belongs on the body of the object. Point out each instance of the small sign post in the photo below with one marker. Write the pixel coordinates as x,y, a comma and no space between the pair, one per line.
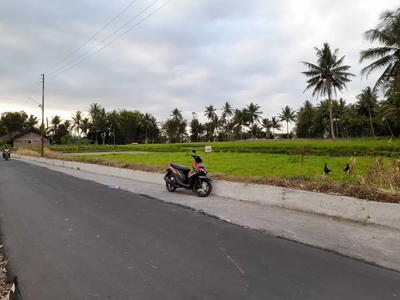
208,151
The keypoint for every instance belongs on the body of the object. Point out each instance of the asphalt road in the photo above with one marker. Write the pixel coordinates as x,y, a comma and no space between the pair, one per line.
68,238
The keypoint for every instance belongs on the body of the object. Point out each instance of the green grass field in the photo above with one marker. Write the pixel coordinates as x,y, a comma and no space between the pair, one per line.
338,148
247,164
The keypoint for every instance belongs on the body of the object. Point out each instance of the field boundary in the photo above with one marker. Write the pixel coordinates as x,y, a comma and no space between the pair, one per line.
386,214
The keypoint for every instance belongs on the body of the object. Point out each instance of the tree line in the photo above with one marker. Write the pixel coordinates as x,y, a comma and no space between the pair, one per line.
329,118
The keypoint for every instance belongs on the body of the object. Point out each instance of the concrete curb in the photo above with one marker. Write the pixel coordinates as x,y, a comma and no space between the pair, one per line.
386,214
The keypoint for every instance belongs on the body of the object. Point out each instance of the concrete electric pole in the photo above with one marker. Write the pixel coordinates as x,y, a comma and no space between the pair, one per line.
42,115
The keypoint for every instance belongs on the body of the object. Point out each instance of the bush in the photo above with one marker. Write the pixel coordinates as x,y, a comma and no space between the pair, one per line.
72,140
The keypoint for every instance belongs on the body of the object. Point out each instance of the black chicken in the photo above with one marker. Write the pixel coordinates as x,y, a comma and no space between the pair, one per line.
347,169
326,170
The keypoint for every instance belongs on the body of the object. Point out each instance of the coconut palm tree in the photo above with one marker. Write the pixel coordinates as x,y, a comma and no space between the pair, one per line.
240,119
390,108
176,114
253,114
67,125
147,120
227,112
387,56
31,122
101,124
275,124
210,114
288,115
368,101
55,122
217,123
94,110
85,126
267,124
76,121
113,119
327,76
154,127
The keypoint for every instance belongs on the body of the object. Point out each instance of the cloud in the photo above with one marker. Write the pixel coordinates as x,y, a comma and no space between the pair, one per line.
189,55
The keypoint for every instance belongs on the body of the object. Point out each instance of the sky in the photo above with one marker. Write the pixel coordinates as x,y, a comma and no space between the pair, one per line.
187,55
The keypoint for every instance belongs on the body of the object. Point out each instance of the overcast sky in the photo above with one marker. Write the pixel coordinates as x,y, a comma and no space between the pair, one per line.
190,54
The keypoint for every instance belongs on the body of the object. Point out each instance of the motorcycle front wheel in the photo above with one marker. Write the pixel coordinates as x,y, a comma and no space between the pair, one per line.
203,189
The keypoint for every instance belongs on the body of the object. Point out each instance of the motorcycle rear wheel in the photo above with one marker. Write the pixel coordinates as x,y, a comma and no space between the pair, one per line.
204,189
169,186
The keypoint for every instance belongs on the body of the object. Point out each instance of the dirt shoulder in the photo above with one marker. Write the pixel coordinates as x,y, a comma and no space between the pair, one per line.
7,286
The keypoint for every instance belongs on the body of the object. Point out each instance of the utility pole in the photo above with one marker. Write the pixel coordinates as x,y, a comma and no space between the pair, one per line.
42,114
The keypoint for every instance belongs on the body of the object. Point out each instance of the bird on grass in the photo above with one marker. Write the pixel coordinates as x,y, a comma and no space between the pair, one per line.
326,170
347,169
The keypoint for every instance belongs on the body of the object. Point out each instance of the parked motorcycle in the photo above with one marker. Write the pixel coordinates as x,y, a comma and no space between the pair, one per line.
6,154
179,176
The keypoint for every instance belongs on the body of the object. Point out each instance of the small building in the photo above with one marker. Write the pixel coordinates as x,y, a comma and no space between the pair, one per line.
26,139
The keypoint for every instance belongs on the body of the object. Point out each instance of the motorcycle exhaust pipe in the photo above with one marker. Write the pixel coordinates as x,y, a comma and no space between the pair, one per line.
167,179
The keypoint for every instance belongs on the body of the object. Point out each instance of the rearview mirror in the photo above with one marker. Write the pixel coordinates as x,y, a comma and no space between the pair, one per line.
194,151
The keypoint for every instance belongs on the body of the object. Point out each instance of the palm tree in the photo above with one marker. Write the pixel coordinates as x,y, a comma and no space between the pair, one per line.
322,115
67,125
217,122
288,115
368,100
387,33
101,124
253,114
339,109
227,112
94,110
154,127
240,120
98,118
31,122
267,124
327,76
147,120
85,125
113,120
275,124
210,114
196,128
76,121
176,114
390,108
55,121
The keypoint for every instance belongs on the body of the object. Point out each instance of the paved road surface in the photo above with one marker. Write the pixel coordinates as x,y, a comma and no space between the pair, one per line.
69,238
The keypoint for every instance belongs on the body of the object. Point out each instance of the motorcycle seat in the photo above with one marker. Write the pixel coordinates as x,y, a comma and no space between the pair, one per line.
180,167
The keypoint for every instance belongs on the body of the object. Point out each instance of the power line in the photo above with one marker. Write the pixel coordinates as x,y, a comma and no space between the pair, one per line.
29,93
71,62
112,40
32,93
92,37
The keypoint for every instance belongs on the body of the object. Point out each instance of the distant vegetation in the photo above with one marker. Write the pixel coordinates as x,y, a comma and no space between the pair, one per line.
368,115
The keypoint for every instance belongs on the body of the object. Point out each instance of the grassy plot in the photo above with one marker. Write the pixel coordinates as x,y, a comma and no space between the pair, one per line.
373,179
342,147
247,164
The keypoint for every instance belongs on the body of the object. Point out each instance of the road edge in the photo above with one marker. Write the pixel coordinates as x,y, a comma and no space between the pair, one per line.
385,214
